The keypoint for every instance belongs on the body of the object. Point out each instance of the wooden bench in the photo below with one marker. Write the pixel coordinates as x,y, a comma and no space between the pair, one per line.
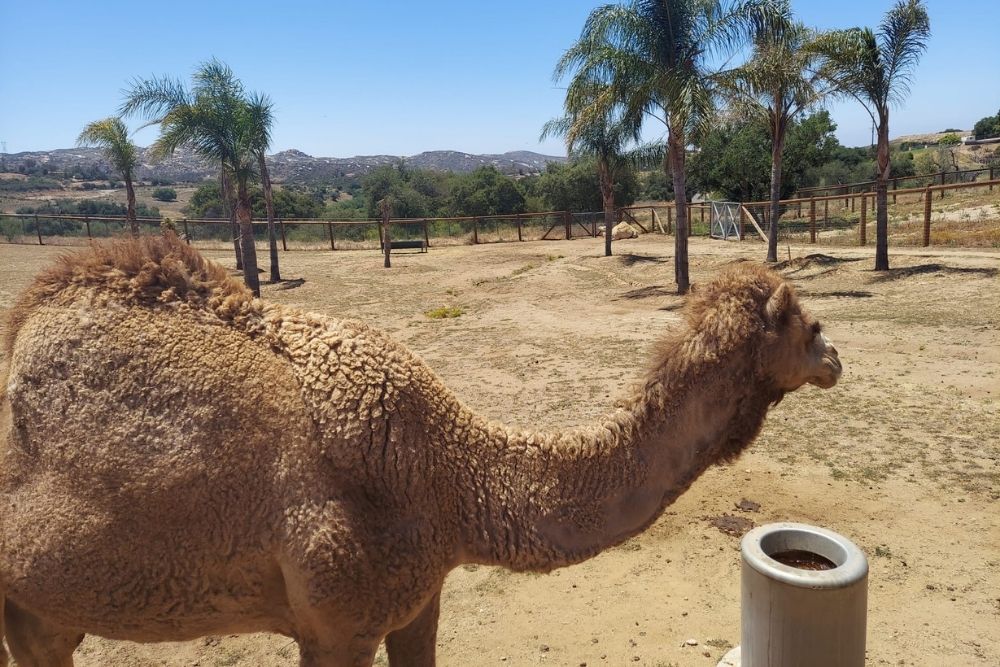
417,244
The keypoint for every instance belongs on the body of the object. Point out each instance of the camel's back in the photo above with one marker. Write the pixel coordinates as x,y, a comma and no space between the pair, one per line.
132,372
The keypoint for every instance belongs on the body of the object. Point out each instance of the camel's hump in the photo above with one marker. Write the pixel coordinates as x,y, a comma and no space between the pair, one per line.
144,271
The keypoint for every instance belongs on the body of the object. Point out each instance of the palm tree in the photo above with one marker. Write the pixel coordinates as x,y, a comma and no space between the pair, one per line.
263,109
111,136
653,54
875,69
601,136
777,84
218,121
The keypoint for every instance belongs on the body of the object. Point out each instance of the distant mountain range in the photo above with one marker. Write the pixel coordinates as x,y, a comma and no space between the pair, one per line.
291,166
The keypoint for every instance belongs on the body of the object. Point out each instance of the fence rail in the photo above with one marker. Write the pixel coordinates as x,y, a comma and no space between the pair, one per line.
338,234
844,218
839,218
939,178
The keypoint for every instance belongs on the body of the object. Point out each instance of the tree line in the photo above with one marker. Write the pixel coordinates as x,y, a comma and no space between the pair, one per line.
656,61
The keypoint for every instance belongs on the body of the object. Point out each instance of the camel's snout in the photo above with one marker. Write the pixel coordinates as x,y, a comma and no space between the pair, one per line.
831,368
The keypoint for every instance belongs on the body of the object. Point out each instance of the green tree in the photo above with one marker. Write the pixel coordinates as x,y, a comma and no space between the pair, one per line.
219,122
486,192
654,56
575,187
987,128
777,84
602,135
411,192
111,136
875,69
165,194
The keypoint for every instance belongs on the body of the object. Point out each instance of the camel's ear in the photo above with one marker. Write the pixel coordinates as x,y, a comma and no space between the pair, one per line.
779,304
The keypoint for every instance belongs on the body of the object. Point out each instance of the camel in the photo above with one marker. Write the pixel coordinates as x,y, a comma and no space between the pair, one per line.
622,230
181,459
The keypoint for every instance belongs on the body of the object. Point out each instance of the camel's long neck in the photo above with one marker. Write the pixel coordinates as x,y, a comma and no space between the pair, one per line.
548,500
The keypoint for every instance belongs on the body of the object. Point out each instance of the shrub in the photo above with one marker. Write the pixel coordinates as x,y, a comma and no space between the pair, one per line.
165,194
444,312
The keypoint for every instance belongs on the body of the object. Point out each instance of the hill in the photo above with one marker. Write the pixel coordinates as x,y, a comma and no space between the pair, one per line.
290,166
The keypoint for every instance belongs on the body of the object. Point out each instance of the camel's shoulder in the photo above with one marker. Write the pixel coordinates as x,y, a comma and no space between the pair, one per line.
148,271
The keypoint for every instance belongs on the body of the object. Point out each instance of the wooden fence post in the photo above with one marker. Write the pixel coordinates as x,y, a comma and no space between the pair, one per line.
670,220
517,219
847,199
895,185
743,221
475,230
852,203
991,178
942,183
386,211
329,231
38,230
863,225
568,222
702,207
826,212
427,238
927,217
284,241
812,220
187,232
86,221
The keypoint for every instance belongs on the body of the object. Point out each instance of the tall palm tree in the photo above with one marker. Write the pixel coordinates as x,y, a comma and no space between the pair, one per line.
654,54
777,84
111,136
263,109
601,136
875,69
217,120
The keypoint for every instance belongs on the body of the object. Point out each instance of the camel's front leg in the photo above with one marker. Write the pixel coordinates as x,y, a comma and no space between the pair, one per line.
414,645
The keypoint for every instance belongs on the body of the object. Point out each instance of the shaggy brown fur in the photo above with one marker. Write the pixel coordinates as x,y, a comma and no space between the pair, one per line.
181,459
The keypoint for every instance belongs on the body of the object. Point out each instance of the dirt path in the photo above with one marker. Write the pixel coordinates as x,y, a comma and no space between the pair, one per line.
903,456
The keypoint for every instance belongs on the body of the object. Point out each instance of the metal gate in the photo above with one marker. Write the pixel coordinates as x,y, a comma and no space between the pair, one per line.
725,220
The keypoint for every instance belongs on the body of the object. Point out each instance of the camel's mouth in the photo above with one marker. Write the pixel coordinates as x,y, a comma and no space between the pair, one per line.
832,370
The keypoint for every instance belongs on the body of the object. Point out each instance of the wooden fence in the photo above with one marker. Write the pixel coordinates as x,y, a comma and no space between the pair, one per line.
939,178
339,234
811,214
862,202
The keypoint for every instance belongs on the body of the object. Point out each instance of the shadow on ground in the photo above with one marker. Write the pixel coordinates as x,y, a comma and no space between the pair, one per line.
921,269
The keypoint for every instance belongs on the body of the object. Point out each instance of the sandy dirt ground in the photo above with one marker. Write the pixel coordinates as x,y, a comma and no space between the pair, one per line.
903,456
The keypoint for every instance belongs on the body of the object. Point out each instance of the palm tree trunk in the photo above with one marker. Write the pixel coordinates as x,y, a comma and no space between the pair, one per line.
772,231
675,158
272,239
245,217
881,198
130,211
229,205
386,212
608,195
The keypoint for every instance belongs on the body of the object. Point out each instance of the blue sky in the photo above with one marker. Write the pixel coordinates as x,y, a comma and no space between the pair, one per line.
381,76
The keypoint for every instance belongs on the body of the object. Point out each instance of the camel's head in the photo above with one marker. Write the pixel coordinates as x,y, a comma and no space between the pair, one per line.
796,352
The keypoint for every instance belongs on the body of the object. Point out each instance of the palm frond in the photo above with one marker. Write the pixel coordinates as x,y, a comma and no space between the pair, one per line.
903,38
151,98
111,136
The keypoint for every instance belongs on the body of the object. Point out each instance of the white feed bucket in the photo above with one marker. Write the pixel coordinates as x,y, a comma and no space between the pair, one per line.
805,598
